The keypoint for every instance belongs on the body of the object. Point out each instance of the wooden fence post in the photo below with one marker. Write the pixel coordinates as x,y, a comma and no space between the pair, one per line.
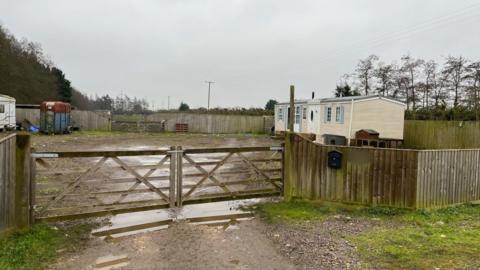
23,181
173,169
179,183
288,169
33,184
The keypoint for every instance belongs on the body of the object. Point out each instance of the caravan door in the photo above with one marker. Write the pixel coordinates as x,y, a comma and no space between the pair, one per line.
297,123
314,119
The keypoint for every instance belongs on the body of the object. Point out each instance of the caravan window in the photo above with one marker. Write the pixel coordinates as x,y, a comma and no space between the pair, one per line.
2,108
280,114
339,114
328,114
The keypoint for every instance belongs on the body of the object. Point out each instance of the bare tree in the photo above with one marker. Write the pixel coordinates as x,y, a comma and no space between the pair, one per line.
429,72
473,90
364,72
400,84
454,72
410,66
384,74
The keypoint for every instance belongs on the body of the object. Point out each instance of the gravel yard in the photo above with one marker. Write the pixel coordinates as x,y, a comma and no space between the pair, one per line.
142,141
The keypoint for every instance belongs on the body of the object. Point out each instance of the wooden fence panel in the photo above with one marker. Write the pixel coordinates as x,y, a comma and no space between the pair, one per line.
7,183
441,134
370,176
92,120
215,123
447,177
376,176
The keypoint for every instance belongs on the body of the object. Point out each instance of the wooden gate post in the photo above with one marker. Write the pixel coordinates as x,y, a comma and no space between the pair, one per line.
22,181
291,113
179,154
173,169
288,167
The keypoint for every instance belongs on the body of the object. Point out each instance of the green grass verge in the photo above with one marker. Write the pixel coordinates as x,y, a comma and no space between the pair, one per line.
421,247
447,238
299,210
294,211
37,247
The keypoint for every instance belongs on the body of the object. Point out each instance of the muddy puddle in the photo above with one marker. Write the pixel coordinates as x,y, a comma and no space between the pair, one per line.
221,211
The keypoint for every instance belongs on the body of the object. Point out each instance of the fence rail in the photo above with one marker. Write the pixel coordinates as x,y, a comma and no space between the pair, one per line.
375,176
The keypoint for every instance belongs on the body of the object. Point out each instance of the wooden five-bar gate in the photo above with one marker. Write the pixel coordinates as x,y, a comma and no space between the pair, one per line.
93,183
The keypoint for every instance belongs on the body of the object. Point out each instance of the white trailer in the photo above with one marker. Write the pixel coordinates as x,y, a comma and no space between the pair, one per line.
7,113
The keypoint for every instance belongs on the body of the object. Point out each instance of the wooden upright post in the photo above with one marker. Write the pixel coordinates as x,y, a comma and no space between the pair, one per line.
291,115
179,183
288,169
173,178
22,181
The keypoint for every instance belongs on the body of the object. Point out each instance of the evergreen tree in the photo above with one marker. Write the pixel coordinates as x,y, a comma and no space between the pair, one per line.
183,107
345,91
270,106
63,85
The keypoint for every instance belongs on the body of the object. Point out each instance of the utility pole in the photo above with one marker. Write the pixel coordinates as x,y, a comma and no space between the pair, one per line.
168,103
209,85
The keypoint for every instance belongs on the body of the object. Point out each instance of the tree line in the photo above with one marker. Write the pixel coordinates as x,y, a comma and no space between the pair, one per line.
449,90
29,76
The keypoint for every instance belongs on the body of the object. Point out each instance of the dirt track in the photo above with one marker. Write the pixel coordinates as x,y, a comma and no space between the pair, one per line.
185,246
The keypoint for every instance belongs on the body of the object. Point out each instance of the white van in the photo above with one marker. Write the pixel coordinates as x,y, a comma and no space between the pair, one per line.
7,113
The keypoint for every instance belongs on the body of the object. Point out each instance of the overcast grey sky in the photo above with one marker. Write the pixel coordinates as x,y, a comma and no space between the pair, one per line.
252,49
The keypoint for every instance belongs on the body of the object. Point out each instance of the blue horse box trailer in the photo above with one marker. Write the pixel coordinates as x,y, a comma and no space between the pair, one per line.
55,117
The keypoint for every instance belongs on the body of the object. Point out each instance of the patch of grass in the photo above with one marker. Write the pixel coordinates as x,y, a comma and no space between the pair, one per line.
316,210
444,238
98,133
40,245
426,239
293,211
421,247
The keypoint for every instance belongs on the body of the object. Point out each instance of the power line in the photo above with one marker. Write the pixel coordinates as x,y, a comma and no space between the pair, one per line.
465,14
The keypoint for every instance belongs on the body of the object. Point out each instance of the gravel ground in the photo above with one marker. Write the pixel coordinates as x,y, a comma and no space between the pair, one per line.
142,141
319,244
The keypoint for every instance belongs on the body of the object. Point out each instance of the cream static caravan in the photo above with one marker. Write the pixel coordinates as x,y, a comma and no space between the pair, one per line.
281,116
337,118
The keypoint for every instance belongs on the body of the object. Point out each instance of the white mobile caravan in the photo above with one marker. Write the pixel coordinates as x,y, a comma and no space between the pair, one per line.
7,113
282,111
329,118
